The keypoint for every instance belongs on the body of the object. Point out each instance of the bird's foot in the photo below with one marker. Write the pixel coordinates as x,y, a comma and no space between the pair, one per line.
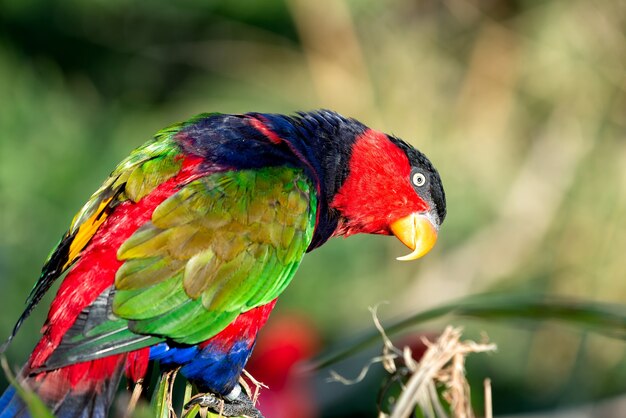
227,406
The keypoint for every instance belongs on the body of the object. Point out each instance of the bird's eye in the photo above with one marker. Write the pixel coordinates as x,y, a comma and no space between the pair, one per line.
418,179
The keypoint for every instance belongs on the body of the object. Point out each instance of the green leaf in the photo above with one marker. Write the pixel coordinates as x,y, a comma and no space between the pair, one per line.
162,401
35,405
605,318
193,411
188,393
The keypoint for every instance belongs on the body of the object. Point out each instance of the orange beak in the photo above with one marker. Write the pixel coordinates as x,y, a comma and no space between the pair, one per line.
418,232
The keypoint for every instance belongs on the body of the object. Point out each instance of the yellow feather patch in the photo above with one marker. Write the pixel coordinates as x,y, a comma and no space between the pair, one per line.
86,231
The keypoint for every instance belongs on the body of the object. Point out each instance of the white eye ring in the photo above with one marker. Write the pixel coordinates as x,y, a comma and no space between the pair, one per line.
418,179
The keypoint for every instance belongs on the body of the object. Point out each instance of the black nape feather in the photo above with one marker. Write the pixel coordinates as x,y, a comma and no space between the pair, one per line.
326,138
329,130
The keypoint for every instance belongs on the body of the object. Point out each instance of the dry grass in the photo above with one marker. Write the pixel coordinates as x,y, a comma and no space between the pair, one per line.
434,384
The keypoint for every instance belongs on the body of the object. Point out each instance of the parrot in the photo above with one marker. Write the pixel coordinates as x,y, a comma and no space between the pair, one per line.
179,257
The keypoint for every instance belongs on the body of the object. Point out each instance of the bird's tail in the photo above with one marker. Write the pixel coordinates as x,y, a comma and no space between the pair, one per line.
83,390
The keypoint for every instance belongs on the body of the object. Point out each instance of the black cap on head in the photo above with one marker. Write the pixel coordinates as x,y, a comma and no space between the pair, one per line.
435,194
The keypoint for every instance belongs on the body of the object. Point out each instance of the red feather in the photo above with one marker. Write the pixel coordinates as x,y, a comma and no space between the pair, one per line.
95,271
376,165
244,327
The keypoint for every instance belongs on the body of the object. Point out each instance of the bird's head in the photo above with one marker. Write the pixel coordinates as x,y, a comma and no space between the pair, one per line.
391,188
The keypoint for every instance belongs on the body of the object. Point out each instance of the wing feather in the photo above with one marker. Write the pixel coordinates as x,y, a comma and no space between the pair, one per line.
221,245
135,177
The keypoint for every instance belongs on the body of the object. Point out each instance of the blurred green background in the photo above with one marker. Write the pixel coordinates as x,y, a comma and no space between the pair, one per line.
520,104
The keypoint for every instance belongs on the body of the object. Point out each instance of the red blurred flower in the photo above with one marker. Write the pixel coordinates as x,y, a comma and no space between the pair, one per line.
285,341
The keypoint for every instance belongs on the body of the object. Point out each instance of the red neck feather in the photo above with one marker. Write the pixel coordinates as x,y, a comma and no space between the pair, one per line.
378,189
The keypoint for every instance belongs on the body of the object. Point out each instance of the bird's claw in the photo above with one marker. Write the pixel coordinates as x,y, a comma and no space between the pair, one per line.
238,407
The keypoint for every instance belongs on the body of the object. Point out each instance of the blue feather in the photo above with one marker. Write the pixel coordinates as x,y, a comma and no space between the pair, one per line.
211,368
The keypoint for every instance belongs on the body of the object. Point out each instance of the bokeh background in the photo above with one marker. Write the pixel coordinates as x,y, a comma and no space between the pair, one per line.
520,104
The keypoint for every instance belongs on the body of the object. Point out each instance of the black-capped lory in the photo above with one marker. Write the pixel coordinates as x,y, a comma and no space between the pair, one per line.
180,255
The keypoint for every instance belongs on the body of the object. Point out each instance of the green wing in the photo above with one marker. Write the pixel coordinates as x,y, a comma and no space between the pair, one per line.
220,246
135,177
